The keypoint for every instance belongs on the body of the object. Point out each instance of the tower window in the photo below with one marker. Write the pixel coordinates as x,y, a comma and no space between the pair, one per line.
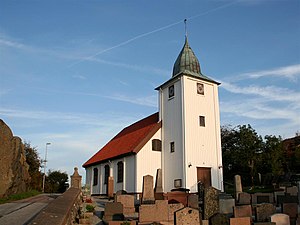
172,147
106,174
200,89
156,145
202,121
171,91
120,171
95,177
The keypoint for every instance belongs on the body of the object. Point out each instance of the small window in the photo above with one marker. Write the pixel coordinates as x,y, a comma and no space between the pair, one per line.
171,91
200,89
106,174
202,121
172,146
156,145
120,171
95,180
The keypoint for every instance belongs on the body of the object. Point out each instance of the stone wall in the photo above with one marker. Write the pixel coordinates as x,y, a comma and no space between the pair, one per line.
14,169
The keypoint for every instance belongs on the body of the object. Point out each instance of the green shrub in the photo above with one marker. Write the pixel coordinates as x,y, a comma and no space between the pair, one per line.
90,208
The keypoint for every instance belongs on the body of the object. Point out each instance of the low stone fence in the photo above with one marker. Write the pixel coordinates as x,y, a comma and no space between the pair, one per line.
61,211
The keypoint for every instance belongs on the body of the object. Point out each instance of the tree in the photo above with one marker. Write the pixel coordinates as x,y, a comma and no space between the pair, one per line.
56,181
34,162
240,148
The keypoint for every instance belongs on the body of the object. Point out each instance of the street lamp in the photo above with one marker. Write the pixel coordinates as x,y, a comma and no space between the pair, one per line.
45,163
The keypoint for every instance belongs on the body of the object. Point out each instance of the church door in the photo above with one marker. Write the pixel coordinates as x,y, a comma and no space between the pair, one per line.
204,175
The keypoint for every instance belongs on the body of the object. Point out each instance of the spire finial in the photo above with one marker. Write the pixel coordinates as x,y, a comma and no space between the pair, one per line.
185,27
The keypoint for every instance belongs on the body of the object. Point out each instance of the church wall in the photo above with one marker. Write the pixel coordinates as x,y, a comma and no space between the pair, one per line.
171,114
147,161
202,144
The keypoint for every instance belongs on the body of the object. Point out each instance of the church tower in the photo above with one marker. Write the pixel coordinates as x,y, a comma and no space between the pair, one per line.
189,111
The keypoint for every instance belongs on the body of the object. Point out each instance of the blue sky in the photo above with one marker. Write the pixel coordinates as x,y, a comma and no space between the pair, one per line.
74,73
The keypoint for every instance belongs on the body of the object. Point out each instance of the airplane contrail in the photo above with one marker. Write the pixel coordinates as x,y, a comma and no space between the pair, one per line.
152,32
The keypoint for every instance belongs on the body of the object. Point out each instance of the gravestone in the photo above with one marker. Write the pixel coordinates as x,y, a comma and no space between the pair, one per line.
240,221
264,211
158,182
242,211
219,219
244,198
76,179
113,211
211,202
172,208
298,185
110,189
154,212
187,216
290,209
193,201
280,219
265,223
293,191
226,204
287,198
148,192
276,194
259,198
237,185
128,203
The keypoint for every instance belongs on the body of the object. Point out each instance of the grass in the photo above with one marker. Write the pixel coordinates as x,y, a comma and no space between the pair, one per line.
20,196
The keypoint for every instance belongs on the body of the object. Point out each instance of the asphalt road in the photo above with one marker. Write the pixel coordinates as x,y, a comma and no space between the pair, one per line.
22,211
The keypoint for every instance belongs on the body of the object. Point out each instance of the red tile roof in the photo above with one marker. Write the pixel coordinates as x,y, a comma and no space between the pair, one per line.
129,141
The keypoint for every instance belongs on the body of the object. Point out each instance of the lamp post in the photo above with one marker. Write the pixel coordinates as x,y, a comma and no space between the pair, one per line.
45,163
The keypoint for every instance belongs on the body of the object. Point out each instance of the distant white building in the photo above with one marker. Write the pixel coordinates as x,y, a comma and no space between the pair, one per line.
183,138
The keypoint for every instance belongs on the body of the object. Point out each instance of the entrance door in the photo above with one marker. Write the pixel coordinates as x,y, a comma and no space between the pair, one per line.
204,175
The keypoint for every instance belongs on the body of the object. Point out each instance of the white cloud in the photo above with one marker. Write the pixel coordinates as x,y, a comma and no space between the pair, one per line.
291,72
271,93
145,101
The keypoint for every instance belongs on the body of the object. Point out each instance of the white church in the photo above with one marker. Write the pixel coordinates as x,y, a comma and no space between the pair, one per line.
182,139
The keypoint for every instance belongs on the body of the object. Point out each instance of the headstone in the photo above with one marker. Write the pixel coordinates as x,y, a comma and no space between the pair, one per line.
265,223
287,198
76,179
148,192
264,211
240,221
187,216
211,202
244,198
237,185
219,219
242,211
276,194
127,202
298,185
280,219
172,208
113,211
290,209
205,222
193,201
158,182
226,205
110,189
154,212
177,197
259,198
293,191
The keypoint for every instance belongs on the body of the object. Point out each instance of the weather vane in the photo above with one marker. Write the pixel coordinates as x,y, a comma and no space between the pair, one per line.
185,27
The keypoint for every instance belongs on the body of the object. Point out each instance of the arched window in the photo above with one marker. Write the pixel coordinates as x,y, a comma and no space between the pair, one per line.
120,171
106,174
95,180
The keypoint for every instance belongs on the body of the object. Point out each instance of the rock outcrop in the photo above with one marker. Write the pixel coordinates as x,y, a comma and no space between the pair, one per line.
14,175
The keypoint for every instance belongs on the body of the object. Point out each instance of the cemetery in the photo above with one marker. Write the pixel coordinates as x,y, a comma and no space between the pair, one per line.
208,206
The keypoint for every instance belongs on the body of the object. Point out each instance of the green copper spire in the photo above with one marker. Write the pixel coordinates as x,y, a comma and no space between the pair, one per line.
186,62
